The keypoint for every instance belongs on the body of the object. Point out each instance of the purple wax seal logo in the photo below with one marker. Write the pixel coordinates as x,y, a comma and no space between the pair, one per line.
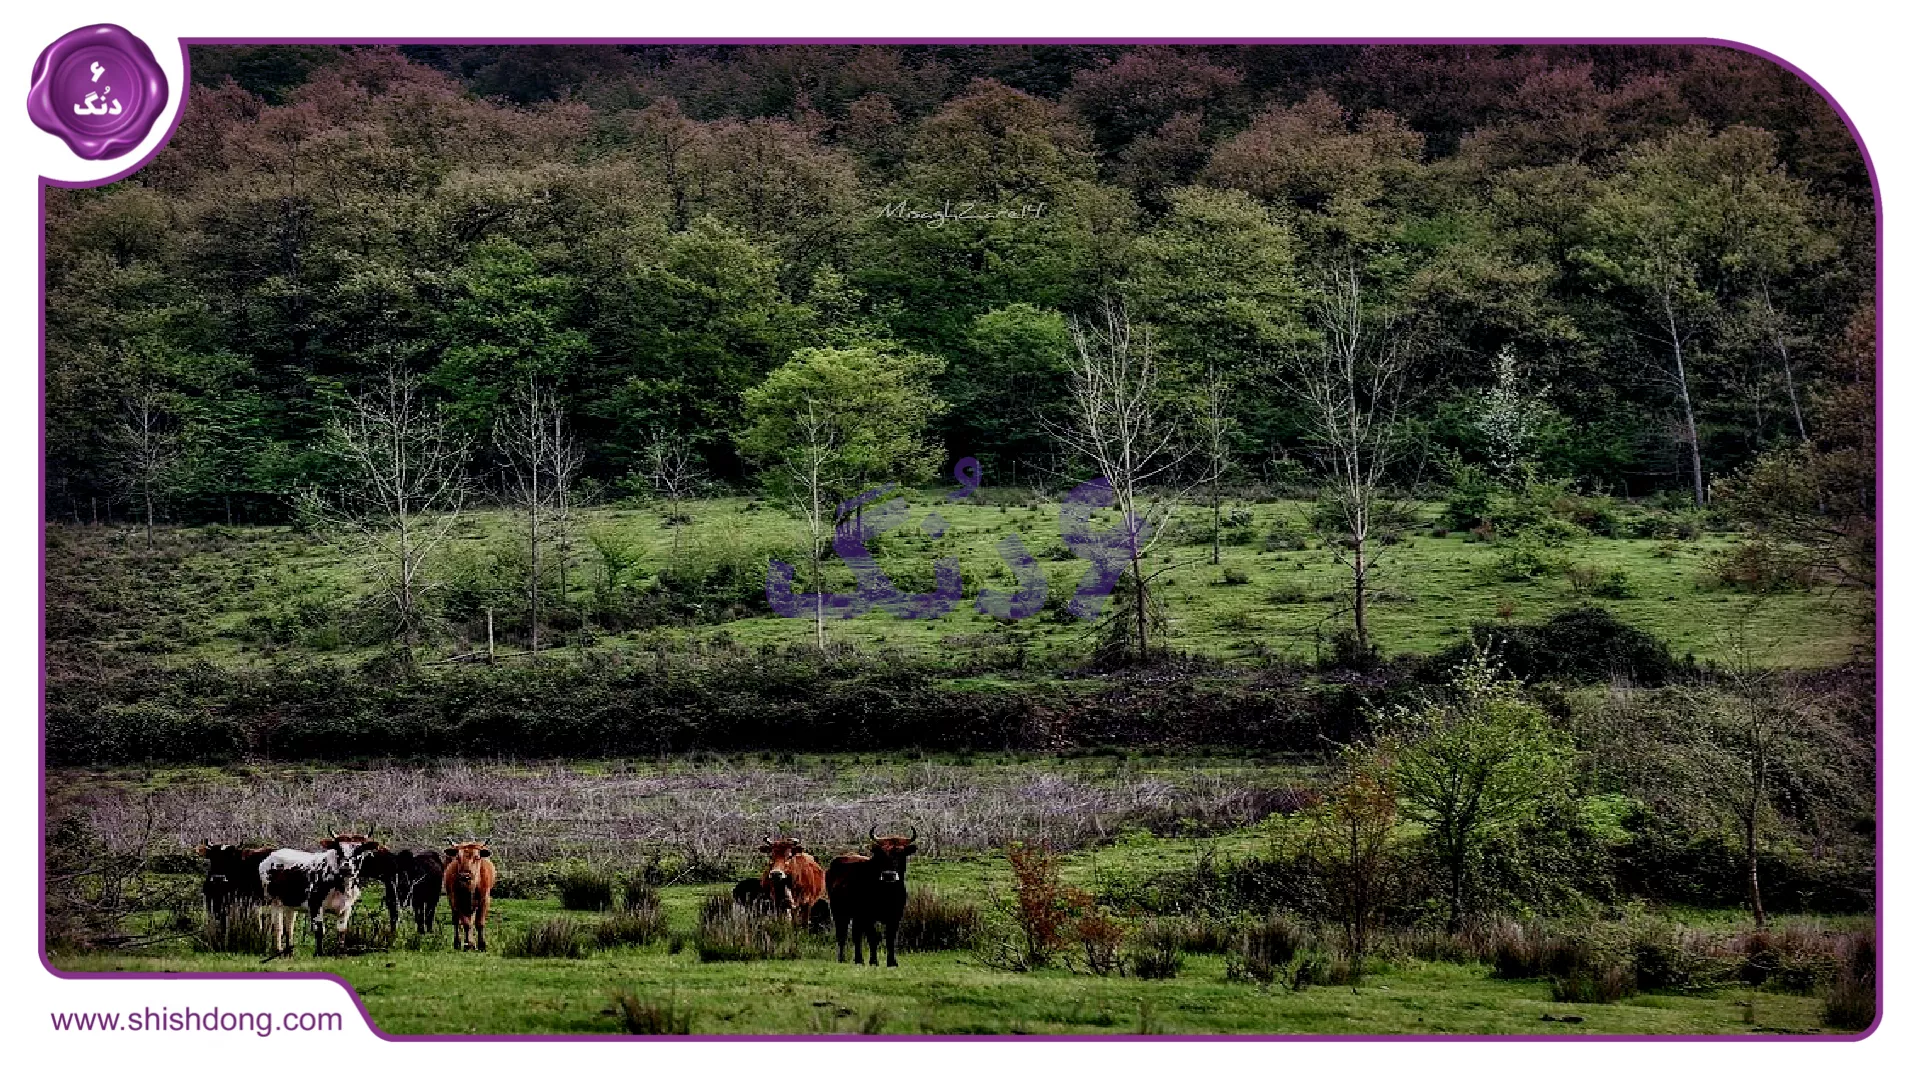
100,89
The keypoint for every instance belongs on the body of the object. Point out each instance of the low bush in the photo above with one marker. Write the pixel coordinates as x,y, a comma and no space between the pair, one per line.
933,923
651,1017
586,889
245,931
1268,950
1583,644
556,938
1605,582
1850,1003
1155,952
738,935
635,926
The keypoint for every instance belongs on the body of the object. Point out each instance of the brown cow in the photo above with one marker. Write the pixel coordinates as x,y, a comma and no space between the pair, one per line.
468,880
869,889
793,881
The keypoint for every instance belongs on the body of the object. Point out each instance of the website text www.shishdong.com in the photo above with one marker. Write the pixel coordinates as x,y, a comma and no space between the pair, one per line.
262,1023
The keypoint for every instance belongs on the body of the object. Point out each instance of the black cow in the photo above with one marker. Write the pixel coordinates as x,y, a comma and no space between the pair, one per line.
415,881
870,889
406,877
233,879
751,893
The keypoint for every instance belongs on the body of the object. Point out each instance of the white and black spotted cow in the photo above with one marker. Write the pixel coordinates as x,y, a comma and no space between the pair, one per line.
322,882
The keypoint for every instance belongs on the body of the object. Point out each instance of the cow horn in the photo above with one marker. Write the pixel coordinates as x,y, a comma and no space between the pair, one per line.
767,840
913,834
873,833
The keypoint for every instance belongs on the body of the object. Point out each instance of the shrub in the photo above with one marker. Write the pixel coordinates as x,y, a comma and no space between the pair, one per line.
638,893
586,889
1587,643
1518,952
1044,908
1525,558
1594,983
1267,950
1206,935
1606,582
1469,498
245,931
1099,935
1850,1000
559,937
1287,535
933,922
1234,575
1660,960
1756,566
1287,593
651,1017
740,935
1155,953
635,926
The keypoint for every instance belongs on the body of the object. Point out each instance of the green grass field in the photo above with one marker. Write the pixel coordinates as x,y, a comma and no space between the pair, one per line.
431,989
1266,599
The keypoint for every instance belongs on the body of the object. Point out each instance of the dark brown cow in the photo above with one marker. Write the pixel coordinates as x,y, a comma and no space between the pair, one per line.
870,889
468,879
233,879
793,881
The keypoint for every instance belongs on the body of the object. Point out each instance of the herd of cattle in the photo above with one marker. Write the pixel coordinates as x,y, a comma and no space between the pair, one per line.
866,894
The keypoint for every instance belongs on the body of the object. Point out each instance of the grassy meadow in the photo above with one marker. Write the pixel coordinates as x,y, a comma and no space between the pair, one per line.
247,595
1129,830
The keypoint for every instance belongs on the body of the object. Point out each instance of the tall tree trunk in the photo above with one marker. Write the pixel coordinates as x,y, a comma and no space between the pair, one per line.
1786,362
533,580
1686,403
1140,608
1216,523
1360,640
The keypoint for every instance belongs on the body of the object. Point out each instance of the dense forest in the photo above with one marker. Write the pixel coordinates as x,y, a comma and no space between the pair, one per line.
1660,258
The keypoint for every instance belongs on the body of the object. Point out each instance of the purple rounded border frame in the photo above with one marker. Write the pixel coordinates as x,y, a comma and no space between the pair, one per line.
1879,325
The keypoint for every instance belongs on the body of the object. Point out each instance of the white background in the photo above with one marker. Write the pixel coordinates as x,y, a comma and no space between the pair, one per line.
1861,56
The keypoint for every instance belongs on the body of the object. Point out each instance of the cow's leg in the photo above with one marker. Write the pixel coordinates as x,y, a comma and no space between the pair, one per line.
285,918
480,921
873,944
893,929
315,919
840,933
391,886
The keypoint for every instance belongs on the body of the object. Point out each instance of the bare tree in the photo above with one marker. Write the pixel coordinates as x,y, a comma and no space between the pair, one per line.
1353,386
673,470
408,487
1124,425
809,467
1216,445
152,447
541,461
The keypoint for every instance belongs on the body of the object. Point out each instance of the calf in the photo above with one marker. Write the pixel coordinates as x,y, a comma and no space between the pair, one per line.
793,880
468,879
324,881
751,893
233,879
871,889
